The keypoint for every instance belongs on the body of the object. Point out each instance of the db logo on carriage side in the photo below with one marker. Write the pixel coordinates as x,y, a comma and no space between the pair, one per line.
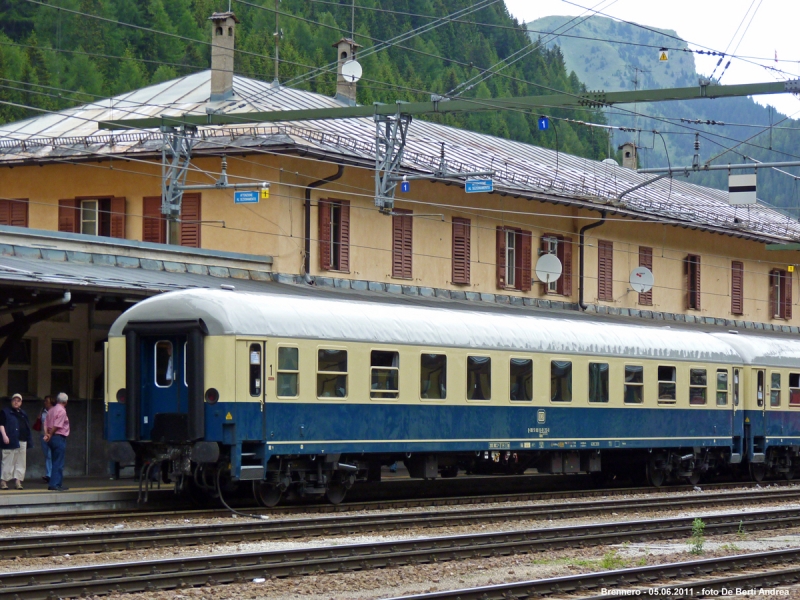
541,416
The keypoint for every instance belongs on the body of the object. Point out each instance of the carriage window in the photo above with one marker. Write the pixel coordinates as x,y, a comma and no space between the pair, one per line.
288,371
433,376
736,387
722,387
521,379
384,374
666,385
760,388
479,378
255,370
164,366
332,373
775,390
794,389
560,381
634,384
598,382
698,382
185,365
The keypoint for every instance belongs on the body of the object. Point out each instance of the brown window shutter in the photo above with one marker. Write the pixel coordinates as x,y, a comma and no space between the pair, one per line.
501,257
737,287
774,282
605,271
5,212
324,219
787,295
566,264
646,260
154,225
692,268
344,238
18,212
525,248
190,220
402,236
69,216
118,217
697,282
461,250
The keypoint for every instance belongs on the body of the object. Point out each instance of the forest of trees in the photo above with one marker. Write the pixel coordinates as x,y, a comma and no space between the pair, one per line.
53,57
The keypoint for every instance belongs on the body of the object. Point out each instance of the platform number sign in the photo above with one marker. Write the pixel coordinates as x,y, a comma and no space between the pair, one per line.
544,123
405,186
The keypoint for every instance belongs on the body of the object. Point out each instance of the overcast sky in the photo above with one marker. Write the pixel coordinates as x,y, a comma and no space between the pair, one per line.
709,23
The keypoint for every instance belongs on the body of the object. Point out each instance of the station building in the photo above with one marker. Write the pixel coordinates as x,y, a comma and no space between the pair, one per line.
82,235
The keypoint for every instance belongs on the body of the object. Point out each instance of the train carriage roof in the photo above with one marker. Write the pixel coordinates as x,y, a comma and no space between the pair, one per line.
347,319
763,350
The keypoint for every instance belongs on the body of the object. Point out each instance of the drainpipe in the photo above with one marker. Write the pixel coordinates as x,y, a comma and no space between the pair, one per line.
311,186
581,251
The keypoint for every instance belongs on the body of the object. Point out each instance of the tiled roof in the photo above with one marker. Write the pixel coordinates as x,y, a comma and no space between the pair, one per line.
520,169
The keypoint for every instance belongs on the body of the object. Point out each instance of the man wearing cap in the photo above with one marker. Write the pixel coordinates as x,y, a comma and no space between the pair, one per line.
56,437
15,435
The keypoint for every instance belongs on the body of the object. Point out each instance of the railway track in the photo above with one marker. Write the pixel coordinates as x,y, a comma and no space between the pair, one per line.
251,531
114,516
151,575
690,579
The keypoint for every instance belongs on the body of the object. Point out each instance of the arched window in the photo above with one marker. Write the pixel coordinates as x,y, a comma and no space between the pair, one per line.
344,55
219,30
230,31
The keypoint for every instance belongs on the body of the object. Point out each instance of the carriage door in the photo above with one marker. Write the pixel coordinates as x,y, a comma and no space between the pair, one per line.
164,386
738,417
756,413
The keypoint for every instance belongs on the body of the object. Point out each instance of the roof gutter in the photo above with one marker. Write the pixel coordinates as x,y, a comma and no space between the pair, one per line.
584,229
311,186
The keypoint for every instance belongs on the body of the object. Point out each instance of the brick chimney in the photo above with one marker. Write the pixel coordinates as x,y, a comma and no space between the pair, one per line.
223,35
345,90
629,160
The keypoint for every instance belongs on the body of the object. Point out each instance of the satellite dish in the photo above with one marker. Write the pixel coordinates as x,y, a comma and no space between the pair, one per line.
351,71
610,161
642,280
548,268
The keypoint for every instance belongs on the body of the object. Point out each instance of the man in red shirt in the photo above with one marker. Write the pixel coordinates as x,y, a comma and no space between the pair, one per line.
56,437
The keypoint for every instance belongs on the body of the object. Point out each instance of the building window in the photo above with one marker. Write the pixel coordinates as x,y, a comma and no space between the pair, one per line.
104,216
520,384
737,288
402,244
634,384
666,384
780,294
62,361
334,235
722,387
288,372
605,271
775,390
154,223
692,268
461,250
332,373
560,381
91,223
19,368
794,389
513,259
384,374
14,211
698,384
646,260
433,376
479,378
562,247
598,382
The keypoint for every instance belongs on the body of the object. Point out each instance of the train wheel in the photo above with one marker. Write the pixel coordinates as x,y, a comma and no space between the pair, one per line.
336,492
693,479
655,476
448,472
757,472
266,494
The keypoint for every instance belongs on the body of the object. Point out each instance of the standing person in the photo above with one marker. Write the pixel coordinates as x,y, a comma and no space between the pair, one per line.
48,455
56,437
15,435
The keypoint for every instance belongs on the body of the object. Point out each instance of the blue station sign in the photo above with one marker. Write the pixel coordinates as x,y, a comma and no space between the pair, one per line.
475,186
245,197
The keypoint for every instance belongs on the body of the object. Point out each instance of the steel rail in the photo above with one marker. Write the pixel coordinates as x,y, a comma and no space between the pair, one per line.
54,516
648,579
218,569
132,539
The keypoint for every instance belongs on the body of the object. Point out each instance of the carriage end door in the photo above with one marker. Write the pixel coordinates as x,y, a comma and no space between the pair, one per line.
164,386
